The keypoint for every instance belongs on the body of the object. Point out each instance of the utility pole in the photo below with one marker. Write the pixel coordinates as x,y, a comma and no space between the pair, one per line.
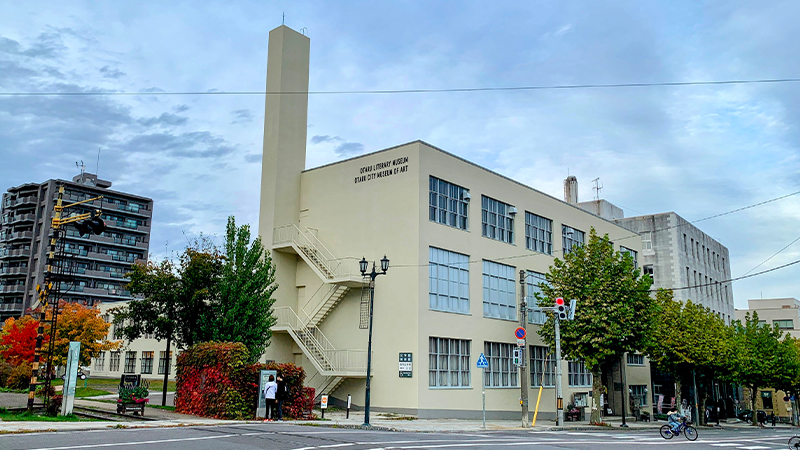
559,391
523,368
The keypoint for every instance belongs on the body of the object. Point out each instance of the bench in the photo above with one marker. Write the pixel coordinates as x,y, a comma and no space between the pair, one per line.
124,408
572,416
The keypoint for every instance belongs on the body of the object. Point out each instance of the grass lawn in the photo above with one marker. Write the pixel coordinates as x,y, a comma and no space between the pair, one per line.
25,417
89,392
105,383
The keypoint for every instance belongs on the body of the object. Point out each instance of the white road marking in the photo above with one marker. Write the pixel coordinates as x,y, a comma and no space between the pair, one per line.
726,444
754,447
120,444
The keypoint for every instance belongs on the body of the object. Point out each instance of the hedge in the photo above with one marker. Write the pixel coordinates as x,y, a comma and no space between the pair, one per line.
214,380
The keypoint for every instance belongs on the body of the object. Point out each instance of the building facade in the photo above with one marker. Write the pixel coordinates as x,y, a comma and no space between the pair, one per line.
681,257
100,262
146,356
457,236
783,312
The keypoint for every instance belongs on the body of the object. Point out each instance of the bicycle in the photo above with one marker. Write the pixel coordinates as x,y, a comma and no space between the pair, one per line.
689,432
794,443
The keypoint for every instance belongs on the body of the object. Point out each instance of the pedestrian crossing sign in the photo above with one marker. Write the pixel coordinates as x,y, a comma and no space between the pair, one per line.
482,362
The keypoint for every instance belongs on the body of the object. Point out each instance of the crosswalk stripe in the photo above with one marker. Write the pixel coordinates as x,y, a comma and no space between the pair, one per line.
726,444
754,447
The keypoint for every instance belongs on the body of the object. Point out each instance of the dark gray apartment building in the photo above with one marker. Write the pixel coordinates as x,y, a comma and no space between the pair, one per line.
100,262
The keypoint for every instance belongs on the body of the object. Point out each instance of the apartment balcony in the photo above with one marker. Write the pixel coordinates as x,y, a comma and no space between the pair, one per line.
18,236
15,253
15,289
21,218
9,271
133,210
119,293
28,200
11,307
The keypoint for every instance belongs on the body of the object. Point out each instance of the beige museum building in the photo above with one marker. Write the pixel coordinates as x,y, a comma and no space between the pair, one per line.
456,234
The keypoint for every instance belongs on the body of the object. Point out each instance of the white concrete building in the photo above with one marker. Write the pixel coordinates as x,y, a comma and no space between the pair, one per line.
783,312
457,236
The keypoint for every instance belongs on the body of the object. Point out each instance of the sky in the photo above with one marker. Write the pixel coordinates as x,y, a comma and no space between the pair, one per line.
695,150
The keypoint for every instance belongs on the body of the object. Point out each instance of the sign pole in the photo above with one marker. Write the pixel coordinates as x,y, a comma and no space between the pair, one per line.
483,393
523,374
559,393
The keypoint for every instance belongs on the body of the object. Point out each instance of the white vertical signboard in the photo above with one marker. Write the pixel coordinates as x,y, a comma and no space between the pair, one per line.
70,378
261,410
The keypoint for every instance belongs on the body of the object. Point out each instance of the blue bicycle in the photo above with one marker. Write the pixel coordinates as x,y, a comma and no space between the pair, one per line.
689,432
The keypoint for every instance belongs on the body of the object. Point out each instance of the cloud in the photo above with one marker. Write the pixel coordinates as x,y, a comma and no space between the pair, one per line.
180,108
349,148
195,144
242,116
109,72
325,138
253,157
164,120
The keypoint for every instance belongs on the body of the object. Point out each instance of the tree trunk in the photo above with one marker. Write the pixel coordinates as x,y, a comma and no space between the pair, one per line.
678,394
753,404
166,374
701,413
597,388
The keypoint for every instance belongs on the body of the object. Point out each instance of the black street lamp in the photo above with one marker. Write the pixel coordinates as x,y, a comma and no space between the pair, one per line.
363,267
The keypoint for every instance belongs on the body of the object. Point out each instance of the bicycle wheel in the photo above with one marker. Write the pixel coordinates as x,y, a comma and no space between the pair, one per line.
794,443
665,431
690,433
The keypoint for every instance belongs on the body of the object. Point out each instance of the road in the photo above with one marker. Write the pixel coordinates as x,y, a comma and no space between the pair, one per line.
277,436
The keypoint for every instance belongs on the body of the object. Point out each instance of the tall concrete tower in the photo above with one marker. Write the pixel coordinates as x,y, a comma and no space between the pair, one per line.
284,158
571,190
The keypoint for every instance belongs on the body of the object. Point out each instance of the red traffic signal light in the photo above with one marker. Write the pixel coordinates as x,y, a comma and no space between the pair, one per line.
559,301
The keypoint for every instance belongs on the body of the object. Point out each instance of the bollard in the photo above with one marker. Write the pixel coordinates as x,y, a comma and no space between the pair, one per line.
348,406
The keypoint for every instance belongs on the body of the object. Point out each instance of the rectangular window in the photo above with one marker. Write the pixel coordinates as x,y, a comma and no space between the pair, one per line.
784,324
692,247
570,237
114,362
632,253
685,247
448,203
448,282
638,394
147,362
648,270
498,220
543,366
130,362
533,280
501,372
635,359
499,291
647,240
578,375
162,362
448,362
100,362
538,233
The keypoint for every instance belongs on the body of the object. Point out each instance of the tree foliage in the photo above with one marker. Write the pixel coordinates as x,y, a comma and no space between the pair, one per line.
18,339
210,295
614,308
79,323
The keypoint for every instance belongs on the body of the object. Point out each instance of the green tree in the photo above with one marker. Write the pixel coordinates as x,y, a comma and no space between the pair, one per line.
242,312
614,307
760,357
688,341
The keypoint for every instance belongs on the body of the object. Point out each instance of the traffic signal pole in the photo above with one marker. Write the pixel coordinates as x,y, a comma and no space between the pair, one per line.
523,368
559,390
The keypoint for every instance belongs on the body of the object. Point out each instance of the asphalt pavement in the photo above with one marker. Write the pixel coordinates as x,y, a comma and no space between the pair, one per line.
284,436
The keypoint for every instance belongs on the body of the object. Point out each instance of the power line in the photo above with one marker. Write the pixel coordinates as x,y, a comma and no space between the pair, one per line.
418,91
526,255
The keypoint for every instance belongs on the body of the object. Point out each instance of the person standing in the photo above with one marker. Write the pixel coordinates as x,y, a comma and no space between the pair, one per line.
270,389
280,395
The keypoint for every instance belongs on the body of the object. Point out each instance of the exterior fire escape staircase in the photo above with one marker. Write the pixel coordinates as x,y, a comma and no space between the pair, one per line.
333,365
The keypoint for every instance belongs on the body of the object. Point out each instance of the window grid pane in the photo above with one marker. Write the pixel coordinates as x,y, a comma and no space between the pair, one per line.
533,282
499,291
543,366
448,362
501,372
578,375
497,220
448,203
570,237
538,233
448,281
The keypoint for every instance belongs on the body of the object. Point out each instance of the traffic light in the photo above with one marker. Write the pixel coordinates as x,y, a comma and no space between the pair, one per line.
561,309
517,358
572,304
92,225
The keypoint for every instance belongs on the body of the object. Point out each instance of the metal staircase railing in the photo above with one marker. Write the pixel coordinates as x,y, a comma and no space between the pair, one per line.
323,301
312,250
328,360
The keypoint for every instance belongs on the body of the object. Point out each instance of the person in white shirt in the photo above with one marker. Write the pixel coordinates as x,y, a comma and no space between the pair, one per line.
270,389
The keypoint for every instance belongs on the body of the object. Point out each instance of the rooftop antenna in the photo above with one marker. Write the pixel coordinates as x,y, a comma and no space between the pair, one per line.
304,30
81,166
283,19
597,188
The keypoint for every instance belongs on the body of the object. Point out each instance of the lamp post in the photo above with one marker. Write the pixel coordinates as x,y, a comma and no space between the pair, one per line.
363,266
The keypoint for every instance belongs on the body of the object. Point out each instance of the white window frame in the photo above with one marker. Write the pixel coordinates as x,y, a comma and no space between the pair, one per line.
448,363
542,366
532,281
633,253
647,240
635,359
502,373
448,281
578,375
499,291
780,322
538,233
568,235
497,221
447,204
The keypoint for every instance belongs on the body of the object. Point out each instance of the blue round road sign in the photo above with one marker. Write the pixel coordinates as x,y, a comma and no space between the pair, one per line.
520,333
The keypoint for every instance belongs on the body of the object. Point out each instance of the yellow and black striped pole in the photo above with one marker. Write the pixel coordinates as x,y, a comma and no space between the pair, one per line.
44,292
